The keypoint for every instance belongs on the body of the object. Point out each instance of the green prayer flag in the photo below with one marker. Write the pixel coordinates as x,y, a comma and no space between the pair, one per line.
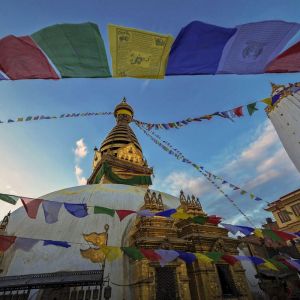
278,264
272,235
252,196
77,50
243,192
199,219
215,256
251,108
8,198
104,210
133,253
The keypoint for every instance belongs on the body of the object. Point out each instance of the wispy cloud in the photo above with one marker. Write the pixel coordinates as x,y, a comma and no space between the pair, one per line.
80,152
81,180
262,167
81,149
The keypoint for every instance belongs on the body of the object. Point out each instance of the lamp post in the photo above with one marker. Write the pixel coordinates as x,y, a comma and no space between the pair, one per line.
107,289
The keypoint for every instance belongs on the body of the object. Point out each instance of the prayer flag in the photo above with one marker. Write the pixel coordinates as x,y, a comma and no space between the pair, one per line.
76,210
267,101
166,213
31,206
272,235
94,255
230,259
251,108
232,228
111,253
214,219
288,61
123,213
275,98
6,242
203,258
188,257
269,265
51,211
278,264
150,254
238,111
145,213
21,58
166,256
77,50
285,235
133,253
181,215
294,264
104,210
9,198
200,219
258,232
198,49
57,243
25,244
138,53
254,45
215,256
245,230
97,239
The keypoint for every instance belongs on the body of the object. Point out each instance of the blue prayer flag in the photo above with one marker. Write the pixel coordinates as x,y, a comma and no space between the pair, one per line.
57,243
198,49
51,211
166,213
77,210
188,257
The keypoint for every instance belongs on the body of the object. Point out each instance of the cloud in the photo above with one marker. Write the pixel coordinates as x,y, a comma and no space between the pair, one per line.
177,181
261,166
81,149
81,180
80,152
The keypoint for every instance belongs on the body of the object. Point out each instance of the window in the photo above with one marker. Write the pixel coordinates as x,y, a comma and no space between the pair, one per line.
284,216
296,209
227,284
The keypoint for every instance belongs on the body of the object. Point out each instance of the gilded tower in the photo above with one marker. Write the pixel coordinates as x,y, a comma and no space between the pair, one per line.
120,158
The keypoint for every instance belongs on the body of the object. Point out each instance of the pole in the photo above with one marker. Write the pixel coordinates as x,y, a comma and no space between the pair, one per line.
106,227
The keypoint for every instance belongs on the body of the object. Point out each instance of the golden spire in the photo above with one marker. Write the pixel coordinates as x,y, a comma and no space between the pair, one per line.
121,135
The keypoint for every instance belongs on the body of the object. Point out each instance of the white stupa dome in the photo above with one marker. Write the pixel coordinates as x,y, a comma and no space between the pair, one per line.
47,259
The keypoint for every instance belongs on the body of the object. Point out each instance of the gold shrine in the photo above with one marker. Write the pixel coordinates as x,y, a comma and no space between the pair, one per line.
122,153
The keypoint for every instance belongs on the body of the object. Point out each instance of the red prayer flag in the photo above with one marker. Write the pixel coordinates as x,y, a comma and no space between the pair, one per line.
288,61
6,242
214,219
230,259
123,213
21,58
31,206
238,111
285,235
150,254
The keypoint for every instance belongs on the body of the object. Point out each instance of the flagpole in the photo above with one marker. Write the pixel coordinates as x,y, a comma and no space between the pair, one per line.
106,227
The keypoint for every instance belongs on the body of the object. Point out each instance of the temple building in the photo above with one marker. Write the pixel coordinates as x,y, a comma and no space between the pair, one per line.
120,179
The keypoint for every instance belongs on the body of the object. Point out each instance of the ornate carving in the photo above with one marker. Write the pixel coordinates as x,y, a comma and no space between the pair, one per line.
152,201
130,153
190,204
218,246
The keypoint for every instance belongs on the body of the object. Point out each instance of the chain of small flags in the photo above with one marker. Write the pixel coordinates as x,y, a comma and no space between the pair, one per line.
61,116
206,174
231,114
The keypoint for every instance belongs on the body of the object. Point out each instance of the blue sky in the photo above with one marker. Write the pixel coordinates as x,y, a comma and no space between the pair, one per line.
38,157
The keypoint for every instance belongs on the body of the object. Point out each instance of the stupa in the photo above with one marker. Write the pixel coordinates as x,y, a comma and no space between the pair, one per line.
120,180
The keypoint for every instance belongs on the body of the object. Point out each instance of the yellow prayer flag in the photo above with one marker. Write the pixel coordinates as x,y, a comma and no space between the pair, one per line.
138,53
111,253
267,101
203,258
97,239
180,214
95,255
269,265
258,233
